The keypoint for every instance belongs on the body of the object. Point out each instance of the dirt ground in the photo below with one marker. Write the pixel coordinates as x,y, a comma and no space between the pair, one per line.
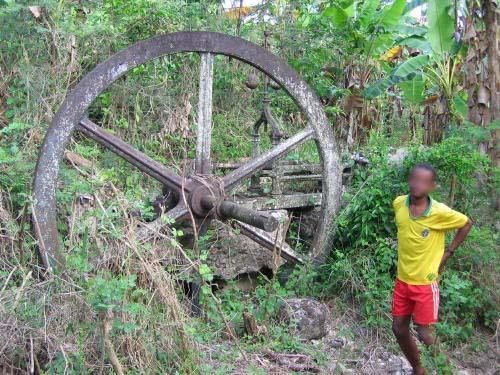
348,348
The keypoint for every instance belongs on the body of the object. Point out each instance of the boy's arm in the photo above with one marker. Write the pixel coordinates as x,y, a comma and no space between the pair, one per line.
459,238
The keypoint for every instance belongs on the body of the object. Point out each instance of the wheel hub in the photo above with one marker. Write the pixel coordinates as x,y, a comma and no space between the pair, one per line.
205,191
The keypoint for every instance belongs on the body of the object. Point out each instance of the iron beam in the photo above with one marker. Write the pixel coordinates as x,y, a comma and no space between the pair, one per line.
235,177
140,160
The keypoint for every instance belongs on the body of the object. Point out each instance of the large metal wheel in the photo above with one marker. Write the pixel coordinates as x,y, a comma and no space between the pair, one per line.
206,198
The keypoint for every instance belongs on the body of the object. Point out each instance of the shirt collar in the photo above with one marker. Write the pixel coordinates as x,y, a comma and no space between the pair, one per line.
427,211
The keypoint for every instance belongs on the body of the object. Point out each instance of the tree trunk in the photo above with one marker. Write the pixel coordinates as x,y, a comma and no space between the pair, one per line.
482,76
493,83
476,70
436,118
492,32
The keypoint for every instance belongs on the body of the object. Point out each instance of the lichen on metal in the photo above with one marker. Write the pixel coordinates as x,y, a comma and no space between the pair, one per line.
71,115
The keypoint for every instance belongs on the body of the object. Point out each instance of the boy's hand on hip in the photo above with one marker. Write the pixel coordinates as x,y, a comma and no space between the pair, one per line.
459,238
446,256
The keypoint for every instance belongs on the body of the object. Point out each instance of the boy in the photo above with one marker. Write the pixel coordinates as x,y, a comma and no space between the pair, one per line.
422,223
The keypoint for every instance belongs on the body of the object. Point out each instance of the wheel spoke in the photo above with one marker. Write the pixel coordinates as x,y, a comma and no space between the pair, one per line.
268,241
148,230
143,162
235,177
203,143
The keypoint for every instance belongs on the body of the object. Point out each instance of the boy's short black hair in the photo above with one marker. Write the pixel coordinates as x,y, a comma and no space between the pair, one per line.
427,167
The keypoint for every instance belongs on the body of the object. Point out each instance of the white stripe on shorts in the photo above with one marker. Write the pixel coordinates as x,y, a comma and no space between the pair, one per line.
435,299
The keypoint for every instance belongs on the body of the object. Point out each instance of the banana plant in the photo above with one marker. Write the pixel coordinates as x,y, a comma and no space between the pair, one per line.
438,59
359,32
435,68
369,27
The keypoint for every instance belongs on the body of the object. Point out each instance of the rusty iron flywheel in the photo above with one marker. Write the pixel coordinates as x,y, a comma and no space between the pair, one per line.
207,198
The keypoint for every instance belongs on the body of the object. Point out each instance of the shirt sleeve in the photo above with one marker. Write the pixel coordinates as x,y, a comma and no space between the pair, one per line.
396,203
450,219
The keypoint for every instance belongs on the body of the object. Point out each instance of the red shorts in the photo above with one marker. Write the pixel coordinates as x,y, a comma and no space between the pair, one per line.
421,301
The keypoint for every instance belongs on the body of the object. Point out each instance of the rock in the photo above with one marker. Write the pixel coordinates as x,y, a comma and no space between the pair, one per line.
307,315
398,366
233,254
405,364
331,367
344,370
336,343
385,356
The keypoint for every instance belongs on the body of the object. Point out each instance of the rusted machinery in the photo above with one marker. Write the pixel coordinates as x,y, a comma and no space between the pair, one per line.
207,197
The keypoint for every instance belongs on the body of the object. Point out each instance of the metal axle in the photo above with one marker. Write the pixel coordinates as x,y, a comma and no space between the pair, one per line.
231,210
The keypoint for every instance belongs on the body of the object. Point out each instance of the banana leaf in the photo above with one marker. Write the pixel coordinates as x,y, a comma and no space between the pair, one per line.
412,65
441,26
413,90
381,86
404,72
338,16
391,14
417,42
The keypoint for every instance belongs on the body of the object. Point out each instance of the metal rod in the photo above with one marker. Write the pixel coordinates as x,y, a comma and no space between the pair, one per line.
235,177
254,218
302,177
140,160
269,243
204,137
231,210
287,167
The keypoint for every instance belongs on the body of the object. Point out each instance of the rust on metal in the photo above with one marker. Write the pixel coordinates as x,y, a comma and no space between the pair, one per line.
265,240
71,116
133,156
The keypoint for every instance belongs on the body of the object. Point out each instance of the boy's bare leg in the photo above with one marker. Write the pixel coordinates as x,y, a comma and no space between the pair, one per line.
426,334
401,329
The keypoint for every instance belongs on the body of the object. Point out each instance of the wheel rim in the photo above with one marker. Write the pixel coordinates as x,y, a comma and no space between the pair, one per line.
104,74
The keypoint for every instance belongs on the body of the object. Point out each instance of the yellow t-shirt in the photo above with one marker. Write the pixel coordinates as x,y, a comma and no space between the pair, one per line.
421,239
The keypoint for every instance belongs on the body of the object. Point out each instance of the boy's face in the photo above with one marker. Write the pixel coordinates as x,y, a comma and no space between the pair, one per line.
421,182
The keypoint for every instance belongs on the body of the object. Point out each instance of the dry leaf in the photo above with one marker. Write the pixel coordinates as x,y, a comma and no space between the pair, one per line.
353,101
237,13
391,54
77,160
430,100
483,96
470,31
36,11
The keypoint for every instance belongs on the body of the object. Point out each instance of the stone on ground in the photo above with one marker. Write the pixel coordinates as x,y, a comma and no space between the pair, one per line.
306,316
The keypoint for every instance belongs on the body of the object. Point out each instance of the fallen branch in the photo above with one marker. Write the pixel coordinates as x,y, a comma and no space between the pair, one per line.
78,161
107,318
